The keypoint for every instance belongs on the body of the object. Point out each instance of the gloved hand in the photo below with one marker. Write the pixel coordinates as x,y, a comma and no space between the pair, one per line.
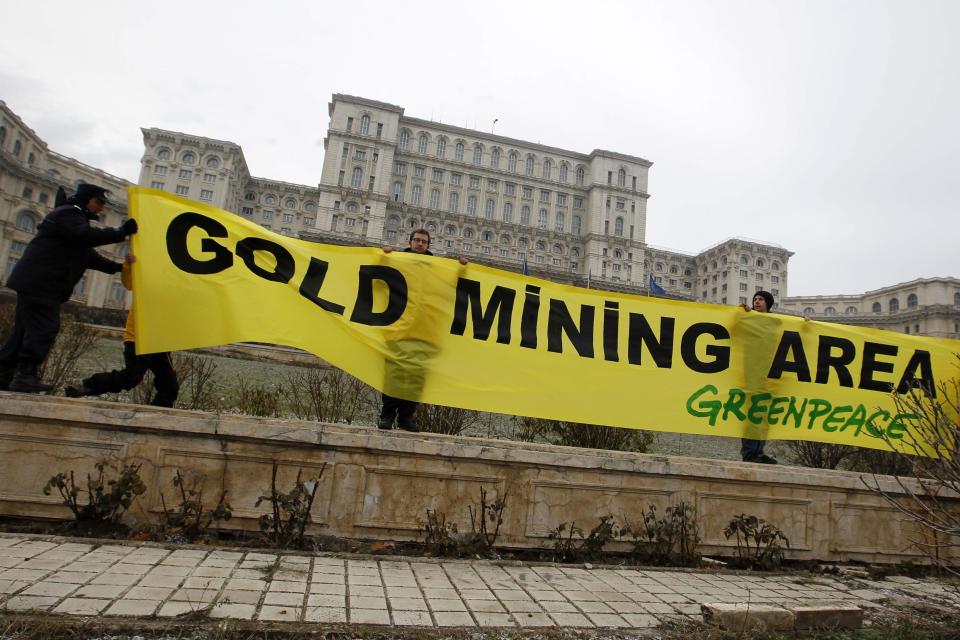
129,227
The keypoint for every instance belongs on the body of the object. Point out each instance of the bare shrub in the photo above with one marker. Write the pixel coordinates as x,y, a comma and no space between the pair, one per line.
671,540
930,455
73,341
289,512
444,538
258,400
198,388
452,421
819,455
327,394
106,501
578,434
758,542
570,545
190,518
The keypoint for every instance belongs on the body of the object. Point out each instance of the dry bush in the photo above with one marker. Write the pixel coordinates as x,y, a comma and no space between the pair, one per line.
258,400
198,389
585,436
820,455
73,341
327,395
452,421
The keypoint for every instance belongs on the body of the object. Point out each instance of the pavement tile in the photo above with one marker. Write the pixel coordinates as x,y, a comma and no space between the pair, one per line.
485,606
58,589
195,595
325,600
531,619
23,574
328,578
332,589
368,591
364,579
522,606
82,606
73,577
101,591
134,569
203,582
592,607
210,572
477,594
12,586
403,592
179,607
554,606
364,602
485,619
279,613
169,582
657,608
511,594
246,585
640,620
369,616
233,610
609,620
149,593
167,570
408,604
407,618
630,607
124,579
26,603
290,586
442,594
283,599
453,619
136,608
325,614
240,597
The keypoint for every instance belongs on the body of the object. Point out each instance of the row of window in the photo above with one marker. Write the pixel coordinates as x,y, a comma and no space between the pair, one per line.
760,263
183,190
509,188
184,174
272,200
188,157
485,236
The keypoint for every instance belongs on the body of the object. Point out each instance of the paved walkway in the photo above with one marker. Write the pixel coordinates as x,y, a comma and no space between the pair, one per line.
140,580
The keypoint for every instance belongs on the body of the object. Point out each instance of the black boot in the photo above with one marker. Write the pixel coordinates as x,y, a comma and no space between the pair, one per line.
77,391
25,379
7,369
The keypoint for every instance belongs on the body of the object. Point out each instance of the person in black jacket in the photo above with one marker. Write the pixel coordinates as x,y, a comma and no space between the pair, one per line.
45,276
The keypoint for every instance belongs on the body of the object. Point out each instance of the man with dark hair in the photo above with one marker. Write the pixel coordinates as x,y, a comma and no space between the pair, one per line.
752,450
405,371
45,276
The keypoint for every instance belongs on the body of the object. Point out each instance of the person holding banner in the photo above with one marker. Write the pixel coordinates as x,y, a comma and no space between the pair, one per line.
410,350
52,265
751,450
135,366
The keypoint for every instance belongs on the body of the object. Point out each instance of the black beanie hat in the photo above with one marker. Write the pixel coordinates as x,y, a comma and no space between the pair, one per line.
766,295
87,191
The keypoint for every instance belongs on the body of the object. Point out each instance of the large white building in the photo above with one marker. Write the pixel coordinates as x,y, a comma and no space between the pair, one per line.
571,216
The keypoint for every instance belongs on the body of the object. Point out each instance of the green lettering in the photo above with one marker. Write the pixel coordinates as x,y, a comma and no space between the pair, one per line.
818,409
896,428
872,429
835,416
757,409
706,408
733,404
795,412
775,409
857,419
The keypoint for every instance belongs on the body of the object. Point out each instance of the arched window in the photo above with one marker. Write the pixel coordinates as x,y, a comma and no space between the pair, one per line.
290,203
450,230
618,226
250,195
397,191
575,225
559,221
495,158
687,272
617,254
30,158
542,219
458,152
435,198
529,169
911,301
877,308
472,205
775,266
404,139
26,222
17,147
163,153
547,169
563,172
658,267
487,236
468,232
522,243
394,219
415,195
488,210
477,154
310,207
674,270
188,158
525,215
512,162
760,263
541,245
744,259
956,299
850,311
557,248
356,179
270,200
829,311
3,136
364,125
352,207
505,240
575,252
422,144
441,146
431,227
621,178
809,311
508,212
581,175
454,202
894,305
213,162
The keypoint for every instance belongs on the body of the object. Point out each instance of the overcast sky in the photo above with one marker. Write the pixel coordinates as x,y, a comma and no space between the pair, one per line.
830,128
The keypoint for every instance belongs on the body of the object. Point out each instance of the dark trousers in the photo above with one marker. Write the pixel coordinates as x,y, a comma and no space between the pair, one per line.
751,448
397,410
135,367
36,324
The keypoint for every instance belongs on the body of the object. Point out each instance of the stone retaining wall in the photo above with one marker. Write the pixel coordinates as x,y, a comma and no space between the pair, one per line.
378,485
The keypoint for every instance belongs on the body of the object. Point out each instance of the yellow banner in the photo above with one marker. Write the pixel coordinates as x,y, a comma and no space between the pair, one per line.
432,330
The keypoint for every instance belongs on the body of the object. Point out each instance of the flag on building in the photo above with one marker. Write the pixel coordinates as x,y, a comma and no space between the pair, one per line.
655,289
525,270
589,277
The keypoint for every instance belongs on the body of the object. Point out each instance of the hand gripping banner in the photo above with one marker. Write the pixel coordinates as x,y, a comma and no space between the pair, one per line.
432,330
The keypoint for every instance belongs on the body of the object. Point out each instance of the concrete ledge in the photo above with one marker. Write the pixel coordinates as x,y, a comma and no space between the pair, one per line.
378,484
748,617
827,617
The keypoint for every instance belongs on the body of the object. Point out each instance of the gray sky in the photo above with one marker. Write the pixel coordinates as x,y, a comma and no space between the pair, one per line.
830,128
